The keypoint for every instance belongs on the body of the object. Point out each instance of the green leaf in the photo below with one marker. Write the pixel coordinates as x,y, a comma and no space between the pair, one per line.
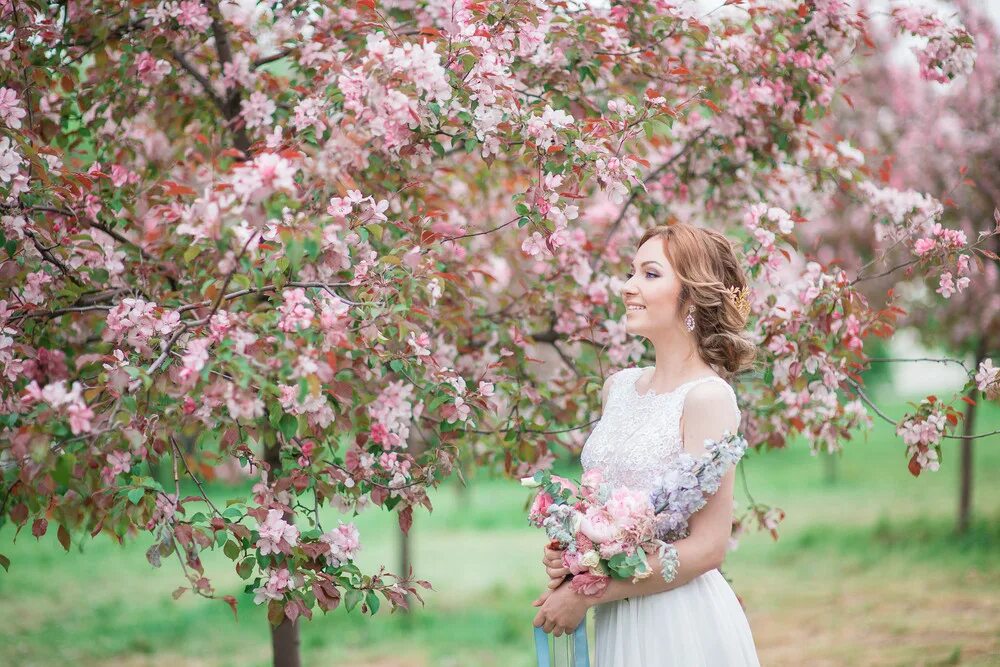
245,568
135,495
372,601
232,513
288,426
220,537
352,598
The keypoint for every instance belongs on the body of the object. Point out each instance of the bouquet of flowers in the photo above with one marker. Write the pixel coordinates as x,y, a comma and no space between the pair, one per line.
605,532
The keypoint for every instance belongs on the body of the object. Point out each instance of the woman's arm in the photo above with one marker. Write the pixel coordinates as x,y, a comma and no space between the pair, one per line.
708,413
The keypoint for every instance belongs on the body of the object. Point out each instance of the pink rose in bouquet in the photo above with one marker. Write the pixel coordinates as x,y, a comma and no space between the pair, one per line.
590,584
598,525
539,509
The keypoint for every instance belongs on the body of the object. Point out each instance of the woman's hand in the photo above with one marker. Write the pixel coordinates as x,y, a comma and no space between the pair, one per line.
554,566
561,610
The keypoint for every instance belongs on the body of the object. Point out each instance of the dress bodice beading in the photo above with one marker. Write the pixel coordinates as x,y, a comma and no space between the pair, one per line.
638,434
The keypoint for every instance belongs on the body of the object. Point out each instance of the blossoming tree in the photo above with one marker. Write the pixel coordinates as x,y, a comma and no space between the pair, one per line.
940,140
292,233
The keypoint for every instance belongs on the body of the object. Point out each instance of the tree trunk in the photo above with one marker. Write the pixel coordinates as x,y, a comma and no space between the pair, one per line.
965,482
285,637
404,561
965,479
285,644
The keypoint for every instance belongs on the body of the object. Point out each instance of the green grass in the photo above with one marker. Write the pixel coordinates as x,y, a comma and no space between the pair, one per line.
867,571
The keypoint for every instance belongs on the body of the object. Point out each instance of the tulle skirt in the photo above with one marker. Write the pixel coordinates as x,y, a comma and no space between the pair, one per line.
699,624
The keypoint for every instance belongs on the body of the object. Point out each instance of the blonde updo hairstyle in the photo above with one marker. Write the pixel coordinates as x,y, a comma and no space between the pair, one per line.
707,266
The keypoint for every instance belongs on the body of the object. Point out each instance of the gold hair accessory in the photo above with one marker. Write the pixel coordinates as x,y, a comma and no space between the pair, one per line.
741,298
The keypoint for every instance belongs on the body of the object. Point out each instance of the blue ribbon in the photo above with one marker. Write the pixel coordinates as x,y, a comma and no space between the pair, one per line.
581,658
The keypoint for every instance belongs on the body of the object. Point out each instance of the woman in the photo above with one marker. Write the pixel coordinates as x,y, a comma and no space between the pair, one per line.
687,297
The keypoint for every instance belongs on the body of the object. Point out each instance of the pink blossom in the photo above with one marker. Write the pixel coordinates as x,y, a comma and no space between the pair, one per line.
80,415
947,285
193,14
244,404
294,311
10,160
194,359
118,462
276,535
988,379
258,110
10,111
151,70
344,541
32,292
533,245
420,344
923,246
309,113
268,173
459,411
275,587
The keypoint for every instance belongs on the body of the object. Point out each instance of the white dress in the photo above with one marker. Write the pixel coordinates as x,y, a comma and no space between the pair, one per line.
699,624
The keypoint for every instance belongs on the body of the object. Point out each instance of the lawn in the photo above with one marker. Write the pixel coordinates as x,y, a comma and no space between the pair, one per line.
867,571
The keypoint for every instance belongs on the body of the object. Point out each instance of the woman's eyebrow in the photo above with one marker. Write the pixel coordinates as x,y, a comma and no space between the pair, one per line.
648,261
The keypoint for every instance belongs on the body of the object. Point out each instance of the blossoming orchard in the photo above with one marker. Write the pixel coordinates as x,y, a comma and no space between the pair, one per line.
304,235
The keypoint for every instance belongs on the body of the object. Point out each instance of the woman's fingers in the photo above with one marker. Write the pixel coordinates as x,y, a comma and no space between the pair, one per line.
554,583
556,572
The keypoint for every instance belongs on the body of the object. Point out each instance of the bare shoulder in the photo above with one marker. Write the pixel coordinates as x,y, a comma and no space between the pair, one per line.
709,410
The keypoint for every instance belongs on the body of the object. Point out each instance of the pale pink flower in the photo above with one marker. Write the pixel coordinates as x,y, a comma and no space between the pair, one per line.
294,310
275,587
193,14
151,70
420,344
590,584
598,525
924,246
276,535
10,111
988,378
10,160
258,110
194,359
80,415
344,541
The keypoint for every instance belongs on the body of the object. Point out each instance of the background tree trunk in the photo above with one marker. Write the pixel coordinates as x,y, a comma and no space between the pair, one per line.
285,637
965,473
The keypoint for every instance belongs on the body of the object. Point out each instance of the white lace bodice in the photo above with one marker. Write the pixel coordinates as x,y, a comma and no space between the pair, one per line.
637,435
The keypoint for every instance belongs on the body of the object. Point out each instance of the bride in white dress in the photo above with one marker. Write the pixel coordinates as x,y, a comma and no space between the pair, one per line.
684,306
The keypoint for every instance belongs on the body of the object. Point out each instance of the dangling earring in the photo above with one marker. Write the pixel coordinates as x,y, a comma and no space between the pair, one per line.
689,320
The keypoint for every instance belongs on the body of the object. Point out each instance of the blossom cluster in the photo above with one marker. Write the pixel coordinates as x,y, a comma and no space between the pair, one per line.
949,50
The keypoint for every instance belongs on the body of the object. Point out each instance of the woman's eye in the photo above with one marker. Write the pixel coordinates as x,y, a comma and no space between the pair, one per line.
650,274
